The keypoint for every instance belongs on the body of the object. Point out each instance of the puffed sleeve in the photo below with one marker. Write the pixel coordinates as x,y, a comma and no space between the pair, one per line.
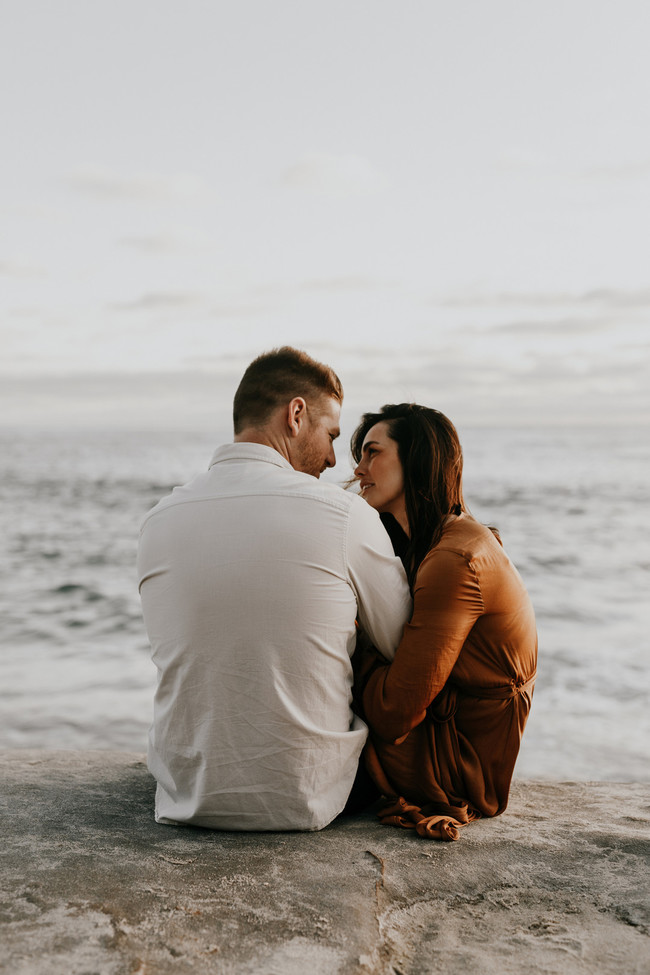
446,604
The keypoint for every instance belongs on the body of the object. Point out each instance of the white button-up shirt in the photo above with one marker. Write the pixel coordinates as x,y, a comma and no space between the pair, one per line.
251,577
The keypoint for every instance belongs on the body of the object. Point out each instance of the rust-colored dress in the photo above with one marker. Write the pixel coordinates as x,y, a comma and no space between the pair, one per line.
447,715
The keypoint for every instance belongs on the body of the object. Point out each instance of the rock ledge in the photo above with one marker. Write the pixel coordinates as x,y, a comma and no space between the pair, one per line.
93,886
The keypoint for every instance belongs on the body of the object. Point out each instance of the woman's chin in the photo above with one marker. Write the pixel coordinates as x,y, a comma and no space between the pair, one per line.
367,497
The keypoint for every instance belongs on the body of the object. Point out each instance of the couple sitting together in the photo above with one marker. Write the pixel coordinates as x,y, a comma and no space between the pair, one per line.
317,650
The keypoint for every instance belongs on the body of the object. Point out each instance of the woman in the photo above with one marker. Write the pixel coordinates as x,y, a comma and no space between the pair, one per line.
447,715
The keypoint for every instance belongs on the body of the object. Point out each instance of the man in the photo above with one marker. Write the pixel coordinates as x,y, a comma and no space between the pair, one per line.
251,577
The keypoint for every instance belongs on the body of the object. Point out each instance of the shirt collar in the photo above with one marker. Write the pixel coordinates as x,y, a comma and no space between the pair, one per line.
249,451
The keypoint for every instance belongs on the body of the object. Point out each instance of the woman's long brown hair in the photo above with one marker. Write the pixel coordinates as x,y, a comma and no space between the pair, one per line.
432,460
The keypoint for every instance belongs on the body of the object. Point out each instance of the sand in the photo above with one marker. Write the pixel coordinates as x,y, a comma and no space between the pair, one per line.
91,884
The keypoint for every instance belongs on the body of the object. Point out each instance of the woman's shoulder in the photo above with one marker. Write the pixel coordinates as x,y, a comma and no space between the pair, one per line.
467,537
463,542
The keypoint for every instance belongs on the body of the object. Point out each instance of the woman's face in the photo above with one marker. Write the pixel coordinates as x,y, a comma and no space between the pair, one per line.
380,474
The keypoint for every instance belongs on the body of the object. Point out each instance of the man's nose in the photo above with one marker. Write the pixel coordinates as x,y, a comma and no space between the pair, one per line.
331,458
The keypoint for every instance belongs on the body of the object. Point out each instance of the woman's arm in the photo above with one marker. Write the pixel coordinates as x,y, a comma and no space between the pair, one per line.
446,604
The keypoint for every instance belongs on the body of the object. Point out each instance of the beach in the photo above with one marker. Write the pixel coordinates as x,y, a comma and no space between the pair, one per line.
557,885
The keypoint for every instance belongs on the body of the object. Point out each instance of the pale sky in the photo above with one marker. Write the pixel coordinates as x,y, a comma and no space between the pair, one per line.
447,202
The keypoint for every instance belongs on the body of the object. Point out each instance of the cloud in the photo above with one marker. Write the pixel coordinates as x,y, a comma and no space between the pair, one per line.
34,211
553,327
523,160
244,302
161,244
16,269
338,176
350,282
631,169
160,301
520,158
280,293
104,184
21,313
205,307
612,298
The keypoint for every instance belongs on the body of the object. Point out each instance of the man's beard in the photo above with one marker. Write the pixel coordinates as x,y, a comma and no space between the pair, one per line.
310,460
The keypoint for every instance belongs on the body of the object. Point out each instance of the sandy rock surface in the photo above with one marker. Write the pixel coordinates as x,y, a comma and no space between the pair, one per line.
91,885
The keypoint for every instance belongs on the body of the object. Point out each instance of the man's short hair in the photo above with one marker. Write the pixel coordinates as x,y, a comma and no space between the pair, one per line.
274,378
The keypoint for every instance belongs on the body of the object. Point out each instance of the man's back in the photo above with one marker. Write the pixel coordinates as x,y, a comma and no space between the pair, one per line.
251,578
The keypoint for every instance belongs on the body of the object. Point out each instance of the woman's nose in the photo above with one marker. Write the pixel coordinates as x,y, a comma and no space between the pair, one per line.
358,471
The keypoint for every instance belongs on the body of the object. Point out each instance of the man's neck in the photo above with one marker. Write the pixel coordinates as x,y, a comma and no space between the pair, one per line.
264,437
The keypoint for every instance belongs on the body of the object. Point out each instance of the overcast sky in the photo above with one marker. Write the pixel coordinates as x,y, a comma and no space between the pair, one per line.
448,202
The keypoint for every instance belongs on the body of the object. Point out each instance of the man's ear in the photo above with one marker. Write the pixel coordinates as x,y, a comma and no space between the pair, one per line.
296,415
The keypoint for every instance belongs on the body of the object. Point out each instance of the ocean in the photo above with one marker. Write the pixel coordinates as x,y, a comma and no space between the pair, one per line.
572,506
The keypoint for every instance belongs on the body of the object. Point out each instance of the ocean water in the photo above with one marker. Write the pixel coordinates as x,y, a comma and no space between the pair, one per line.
572,505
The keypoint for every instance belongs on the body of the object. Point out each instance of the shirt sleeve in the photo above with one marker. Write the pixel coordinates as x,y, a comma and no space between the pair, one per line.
446,603
377,578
